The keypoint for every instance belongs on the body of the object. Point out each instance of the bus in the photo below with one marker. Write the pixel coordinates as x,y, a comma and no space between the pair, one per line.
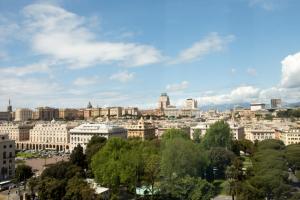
4,185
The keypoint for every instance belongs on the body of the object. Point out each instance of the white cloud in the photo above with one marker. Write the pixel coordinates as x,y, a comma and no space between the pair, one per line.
251,71
210,44
25,70
84,81
66,36
177,87
233,70
291,71
124,76
237,95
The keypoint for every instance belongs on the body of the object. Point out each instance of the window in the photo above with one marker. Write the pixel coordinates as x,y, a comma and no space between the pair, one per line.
4,146
10,146
4,155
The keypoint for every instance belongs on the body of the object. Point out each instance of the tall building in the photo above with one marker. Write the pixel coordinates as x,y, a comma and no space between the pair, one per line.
84,132
7,157
23,114
276,103
191,104
9,107
69,113
163,101
142,129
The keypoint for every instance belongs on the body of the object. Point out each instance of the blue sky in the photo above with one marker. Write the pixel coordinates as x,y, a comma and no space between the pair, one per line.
65,53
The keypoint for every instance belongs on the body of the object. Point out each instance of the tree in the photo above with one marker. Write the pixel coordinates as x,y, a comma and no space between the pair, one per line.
234,175
180,157
151,171
174,133
94,145
218,135
23,172
219,159
51,189
62,170
190,188
292,155
78,189
197,135
107,164
77,157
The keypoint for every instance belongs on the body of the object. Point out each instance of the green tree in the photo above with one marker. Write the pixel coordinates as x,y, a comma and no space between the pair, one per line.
94,145
218,135
292,155
77,157
107,164
51,189
23,172
190,188
78,189
180,157
197,135
62,170
174,133
151,171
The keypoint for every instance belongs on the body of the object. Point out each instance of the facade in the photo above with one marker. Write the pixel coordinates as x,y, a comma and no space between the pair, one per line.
7,157
69,114
142,129
191,104
261,134
47,136
257,106
23,114
130,111
17,132
115,112
291,136
5,116
83,133
46,113
276,103
163,101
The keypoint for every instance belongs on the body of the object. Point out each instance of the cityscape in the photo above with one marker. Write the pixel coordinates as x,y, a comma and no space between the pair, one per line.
108,100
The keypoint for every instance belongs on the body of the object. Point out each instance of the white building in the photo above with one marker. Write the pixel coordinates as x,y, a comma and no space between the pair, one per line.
50,136
291,136
7,157
191,104
257,106
163,101
23,114
83,133
17,132
261,134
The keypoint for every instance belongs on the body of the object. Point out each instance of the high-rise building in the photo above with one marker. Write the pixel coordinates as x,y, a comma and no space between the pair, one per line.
191,104
276,103
7,158
23,114
163,101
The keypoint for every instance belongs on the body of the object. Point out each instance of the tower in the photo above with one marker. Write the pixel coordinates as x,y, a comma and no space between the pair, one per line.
9,107
163,101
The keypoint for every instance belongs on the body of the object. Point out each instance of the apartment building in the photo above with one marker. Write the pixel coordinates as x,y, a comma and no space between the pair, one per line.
142,129
15,131
7,157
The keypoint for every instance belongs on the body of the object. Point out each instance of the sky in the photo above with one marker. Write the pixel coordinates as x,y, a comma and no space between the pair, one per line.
65,53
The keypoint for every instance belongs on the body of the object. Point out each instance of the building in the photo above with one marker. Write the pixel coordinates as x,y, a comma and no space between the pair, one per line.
5,116
7,157
291,136
261,134
237,131
191,104
276,103
47,136
115,112
17,132
142,129
46,113
257,106
130,111
23,114
69,114
163,101
83,133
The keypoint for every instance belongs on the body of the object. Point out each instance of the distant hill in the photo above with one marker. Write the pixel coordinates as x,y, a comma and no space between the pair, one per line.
223,107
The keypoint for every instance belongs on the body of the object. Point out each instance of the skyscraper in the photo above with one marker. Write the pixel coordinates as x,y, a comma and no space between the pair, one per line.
163,101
